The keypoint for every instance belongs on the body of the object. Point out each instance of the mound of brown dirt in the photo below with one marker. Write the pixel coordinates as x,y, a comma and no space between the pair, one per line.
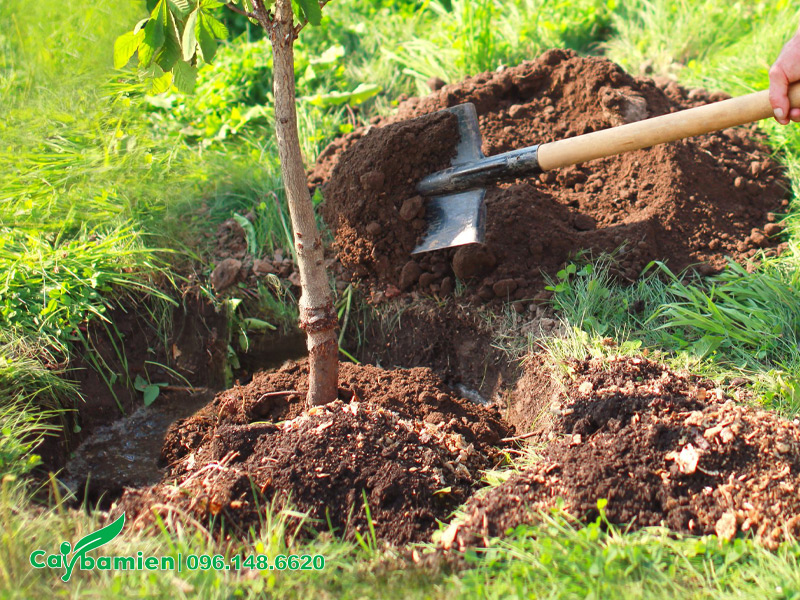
399,437
662,448
695,201
377,185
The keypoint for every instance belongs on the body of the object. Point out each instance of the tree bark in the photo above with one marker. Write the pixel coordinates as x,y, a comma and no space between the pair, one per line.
317,314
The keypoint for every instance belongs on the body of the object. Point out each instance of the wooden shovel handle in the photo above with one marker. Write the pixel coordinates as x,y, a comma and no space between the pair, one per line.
658,130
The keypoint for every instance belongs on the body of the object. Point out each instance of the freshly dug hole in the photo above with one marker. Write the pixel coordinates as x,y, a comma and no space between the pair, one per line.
662,448
695,201
401,437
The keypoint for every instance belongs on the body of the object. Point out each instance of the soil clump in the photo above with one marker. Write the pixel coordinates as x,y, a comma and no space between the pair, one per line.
400,441
693,202
663,449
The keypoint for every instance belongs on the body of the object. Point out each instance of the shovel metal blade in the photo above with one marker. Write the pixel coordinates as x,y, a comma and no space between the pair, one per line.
454,220
459,218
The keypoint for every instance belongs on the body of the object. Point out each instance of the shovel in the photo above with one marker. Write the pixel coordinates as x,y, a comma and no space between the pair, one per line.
456,211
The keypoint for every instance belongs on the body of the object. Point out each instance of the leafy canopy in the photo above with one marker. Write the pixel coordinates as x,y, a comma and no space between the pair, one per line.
180,34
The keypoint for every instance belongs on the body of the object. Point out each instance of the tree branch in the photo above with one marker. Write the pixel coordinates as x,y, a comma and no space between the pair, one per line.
299,27
262,15
236,9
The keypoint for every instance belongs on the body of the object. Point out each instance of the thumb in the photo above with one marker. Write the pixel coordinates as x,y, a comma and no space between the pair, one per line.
779,93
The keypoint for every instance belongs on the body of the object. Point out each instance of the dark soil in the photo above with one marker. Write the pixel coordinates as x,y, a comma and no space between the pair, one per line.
662,448
693,202
401,437
195,348
453,340
373,207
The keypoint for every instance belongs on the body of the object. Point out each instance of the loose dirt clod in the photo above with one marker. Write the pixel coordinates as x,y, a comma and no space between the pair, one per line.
662,448
400,438
690,202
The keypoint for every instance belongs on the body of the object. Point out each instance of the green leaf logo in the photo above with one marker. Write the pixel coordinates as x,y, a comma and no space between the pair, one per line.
90,542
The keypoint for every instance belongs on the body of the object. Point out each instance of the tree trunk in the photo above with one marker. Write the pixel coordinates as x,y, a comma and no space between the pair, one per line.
317,314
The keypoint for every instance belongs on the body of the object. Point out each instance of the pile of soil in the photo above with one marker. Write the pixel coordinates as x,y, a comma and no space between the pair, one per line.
401,438
692,202
376,187
662,448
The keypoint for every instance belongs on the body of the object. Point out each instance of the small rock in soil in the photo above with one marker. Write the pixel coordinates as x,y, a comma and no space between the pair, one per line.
472,260
758,239
411,208
225,274
409,275
584,222
436,83
504,288
262,267
372,181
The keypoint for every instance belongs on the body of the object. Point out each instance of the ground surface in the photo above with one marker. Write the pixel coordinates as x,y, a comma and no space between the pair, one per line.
412,447
661,448
687,203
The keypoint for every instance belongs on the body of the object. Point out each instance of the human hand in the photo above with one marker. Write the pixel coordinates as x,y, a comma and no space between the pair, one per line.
785,71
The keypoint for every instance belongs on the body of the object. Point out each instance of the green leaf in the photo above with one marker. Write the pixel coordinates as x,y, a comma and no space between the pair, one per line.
161,13
205,38
154,34
180,7
253,324
189,38
311,11
363,92
156,29
160,81
250,232
171,51
217,27
151,392
140,383
125,46
184,76
330,56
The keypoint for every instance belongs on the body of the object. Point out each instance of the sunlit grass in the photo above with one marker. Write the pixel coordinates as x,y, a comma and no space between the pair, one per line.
90,168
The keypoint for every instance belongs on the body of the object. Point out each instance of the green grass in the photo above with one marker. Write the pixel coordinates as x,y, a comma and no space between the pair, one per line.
735,324
554,558
105,193
557,559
